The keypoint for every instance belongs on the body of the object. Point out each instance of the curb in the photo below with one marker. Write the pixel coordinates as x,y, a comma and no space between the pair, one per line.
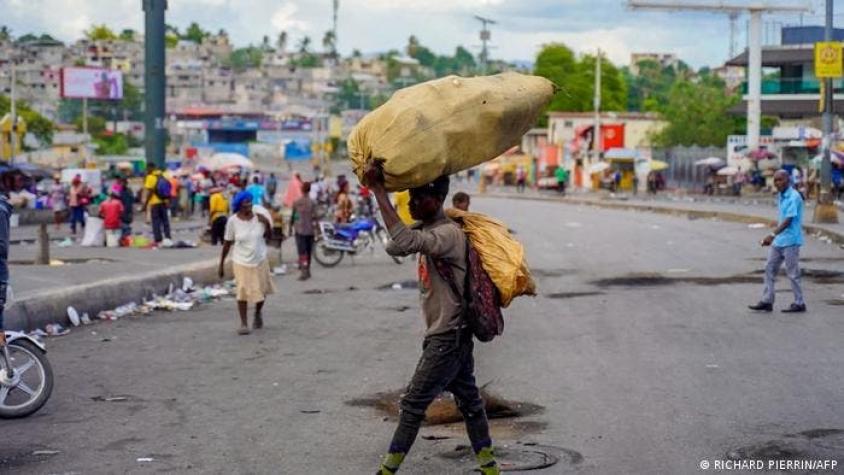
811,229
38,310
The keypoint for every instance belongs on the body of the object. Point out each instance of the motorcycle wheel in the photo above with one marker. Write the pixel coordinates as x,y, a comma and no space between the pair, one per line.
31,385
385,239
325,256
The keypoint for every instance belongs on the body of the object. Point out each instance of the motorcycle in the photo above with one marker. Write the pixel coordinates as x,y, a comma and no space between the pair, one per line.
334,242
26,377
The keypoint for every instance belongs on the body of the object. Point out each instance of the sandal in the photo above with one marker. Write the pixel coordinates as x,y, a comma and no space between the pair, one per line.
243,331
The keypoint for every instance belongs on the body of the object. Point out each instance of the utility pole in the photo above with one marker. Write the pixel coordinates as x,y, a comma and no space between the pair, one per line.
336,4
13,140
485,37
825,210
155,80
733,33
596,103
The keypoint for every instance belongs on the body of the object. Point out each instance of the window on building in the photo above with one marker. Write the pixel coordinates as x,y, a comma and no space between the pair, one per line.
568,124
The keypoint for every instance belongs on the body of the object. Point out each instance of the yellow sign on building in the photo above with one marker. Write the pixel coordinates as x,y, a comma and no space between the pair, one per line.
829,60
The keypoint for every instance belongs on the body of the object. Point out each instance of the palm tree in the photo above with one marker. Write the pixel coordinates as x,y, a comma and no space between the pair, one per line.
304,44
5,33
328,42
282,41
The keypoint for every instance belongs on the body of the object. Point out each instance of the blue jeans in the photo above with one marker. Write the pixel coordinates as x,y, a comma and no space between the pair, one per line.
776,256
77,215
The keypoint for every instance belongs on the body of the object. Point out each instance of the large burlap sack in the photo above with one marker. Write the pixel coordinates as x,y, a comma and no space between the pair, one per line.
502,257
447,125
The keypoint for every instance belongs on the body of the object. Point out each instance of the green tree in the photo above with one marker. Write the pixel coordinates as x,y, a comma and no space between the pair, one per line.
356,53
38,125
697,113
128,34
329,43
96,125
5,33
100,33
111,144
195,33
305,44
349,95
245,58
576,80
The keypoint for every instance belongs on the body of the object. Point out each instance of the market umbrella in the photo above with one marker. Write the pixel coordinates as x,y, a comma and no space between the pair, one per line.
598,167
714,162
232,160
728,171
658,165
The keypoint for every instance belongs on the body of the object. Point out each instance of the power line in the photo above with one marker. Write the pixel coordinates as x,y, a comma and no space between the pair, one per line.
485,38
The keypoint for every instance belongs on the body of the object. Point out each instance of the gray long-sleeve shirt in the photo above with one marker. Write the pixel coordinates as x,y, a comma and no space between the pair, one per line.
441,240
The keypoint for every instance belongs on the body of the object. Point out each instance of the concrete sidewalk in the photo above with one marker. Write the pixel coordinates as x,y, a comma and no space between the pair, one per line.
748,211
179,228
96,279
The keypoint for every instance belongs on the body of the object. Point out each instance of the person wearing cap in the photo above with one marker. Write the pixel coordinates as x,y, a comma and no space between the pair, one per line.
245,236
447,362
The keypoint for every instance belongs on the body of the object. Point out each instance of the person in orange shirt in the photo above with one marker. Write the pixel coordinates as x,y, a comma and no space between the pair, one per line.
175,187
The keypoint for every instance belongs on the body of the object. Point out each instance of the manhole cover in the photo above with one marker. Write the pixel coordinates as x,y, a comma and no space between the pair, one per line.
518,457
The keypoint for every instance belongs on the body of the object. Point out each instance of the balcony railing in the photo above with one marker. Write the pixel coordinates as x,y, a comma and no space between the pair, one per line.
793,86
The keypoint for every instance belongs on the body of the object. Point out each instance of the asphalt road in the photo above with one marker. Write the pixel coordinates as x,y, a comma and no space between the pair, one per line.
638,352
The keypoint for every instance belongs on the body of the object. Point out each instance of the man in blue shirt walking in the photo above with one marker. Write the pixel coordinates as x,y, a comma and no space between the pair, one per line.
785,244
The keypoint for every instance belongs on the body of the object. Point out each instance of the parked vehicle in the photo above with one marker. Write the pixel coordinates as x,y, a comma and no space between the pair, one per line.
335,241
26,377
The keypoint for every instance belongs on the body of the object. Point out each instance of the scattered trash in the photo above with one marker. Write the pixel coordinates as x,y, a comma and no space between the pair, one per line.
110,398
397,286
85,319
757,225
435,437
712,366
145,459
280,270
56,263
73,315
310,411
54,329
66,243
187,284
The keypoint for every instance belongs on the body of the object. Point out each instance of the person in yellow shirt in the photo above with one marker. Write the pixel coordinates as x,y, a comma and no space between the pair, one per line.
218,211
157,197
402,199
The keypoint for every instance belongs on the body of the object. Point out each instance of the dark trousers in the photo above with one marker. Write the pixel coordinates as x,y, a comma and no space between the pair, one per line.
305,248
160,221
446,364
77,215
218,230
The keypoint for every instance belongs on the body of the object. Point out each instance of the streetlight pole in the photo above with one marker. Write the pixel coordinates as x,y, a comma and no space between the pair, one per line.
154,80
596,103
825,210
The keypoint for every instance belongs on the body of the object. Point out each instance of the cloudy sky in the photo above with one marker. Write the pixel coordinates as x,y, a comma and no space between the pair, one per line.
378,25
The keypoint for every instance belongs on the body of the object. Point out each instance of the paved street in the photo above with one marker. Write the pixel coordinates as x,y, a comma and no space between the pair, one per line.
638,352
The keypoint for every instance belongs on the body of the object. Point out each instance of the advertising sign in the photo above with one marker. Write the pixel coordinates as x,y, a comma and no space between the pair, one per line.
829,62
91,83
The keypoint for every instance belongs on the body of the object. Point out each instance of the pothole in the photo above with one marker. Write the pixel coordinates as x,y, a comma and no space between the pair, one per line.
64,262
517,457
818,276
552,272
809,445
571,295
444,410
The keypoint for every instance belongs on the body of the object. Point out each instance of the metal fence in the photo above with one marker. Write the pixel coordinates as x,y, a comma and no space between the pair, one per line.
683,173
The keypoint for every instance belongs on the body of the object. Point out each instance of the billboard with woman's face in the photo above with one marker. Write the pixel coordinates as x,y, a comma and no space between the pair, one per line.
92,83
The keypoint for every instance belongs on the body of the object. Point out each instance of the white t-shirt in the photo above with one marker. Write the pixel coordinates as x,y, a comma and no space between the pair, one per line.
249,248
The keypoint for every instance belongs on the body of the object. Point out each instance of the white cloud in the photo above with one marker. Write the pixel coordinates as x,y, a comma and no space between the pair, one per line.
284,18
